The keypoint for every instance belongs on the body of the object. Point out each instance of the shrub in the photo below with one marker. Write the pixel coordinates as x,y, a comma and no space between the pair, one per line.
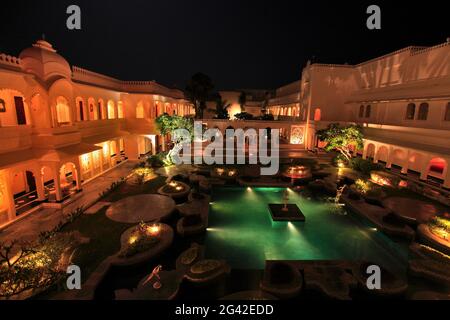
364,166
158,160
362,186
140,240
340,159
28,268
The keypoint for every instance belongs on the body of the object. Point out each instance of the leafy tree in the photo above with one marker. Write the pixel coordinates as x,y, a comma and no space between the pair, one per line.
342,138
242,101
167,124
198,90
221,110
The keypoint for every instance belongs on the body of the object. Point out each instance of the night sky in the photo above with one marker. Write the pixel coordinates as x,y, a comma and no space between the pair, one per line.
239,43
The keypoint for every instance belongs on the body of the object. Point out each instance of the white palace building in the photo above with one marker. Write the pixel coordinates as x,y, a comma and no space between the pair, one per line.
62,126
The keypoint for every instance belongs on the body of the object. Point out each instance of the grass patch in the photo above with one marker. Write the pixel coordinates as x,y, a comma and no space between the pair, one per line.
103,232
104,241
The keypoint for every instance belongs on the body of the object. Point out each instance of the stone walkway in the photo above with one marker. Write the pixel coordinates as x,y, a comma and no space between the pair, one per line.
46,219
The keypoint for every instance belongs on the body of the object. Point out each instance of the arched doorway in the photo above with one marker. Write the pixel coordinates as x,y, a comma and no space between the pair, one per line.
48,182
437,166
370,151
68,179
398,158
24,189
140,110
62,111
111,110
382,154
120,113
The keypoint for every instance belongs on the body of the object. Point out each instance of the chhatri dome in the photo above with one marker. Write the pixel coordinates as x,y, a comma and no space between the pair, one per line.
43,61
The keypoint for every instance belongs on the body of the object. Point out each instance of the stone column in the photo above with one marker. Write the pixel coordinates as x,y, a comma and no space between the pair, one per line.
39,178
446,184
364,155
405,163
57,183
390,158
424,168
10,197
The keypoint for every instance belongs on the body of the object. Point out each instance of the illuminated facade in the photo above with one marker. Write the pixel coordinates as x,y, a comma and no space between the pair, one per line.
61,126
401,99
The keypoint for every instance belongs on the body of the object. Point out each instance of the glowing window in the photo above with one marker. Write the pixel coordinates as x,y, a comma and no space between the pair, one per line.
140,111
62,111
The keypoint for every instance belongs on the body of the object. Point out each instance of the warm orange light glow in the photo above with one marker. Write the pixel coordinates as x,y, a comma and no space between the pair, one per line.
153,230
132,239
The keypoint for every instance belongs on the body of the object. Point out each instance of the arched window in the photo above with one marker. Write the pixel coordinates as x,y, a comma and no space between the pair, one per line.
62,111
437,165
447,112
423,111
99,110
80,106
368,111
120,110
361,111
111,110
410,111
140,111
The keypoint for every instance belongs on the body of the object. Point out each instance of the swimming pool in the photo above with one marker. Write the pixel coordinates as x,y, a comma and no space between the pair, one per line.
242,232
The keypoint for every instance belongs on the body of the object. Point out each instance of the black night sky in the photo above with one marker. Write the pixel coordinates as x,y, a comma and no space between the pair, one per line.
239,43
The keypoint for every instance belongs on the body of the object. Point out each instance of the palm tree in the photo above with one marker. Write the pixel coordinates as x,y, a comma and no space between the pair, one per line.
221,109
198,90
242,101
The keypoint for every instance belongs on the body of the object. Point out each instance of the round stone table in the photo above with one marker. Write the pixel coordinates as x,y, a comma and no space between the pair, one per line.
144,207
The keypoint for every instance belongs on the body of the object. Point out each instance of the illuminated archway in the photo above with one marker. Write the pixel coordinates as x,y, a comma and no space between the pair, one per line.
62,111
382,154
370,151
111,110
437,166
120,113
140,110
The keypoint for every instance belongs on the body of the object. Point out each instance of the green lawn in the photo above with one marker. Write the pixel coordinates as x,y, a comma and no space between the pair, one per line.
104,233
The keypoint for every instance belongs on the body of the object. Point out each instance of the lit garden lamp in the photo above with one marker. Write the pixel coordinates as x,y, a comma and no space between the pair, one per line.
173,184
153,230
220,171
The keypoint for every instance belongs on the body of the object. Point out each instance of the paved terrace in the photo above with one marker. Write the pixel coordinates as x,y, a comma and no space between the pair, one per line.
29,228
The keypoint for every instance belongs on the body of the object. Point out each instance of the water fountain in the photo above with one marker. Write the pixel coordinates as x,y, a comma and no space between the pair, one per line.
285,211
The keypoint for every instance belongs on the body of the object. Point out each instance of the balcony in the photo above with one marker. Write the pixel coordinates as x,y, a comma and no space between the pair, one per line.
141,126
55,137
15,138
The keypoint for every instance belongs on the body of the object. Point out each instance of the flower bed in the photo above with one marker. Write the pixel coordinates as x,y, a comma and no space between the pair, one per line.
140,239
440,226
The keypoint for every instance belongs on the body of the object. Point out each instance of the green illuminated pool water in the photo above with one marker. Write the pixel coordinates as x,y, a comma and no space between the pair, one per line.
241,231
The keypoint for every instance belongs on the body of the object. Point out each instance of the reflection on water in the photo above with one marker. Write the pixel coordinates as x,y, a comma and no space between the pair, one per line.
242,232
